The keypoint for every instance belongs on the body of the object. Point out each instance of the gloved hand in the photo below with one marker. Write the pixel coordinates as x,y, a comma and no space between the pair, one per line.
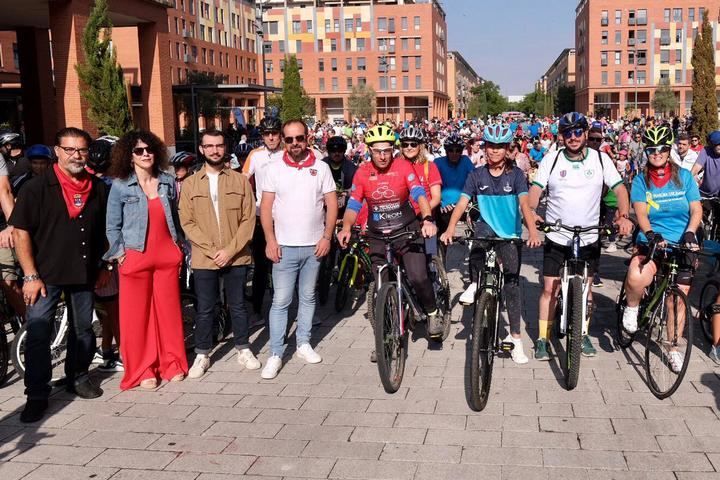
653,237
689,241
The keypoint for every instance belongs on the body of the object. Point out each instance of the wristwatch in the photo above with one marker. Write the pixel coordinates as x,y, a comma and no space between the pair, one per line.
327,237
428,218
31,278
109,266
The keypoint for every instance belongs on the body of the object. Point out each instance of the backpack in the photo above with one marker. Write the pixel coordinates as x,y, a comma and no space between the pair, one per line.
602,168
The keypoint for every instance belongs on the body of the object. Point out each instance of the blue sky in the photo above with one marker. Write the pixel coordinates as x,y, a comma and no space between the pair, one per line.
511,42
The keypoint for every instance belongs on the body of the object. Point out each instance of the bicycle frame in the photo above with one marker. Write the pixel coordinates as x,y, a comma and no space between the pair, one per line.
355,255
575,262
492,280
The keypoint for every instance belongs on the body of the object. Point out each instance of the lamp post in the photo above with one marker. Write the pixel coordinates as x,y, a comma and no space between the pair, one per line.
259,14
384,65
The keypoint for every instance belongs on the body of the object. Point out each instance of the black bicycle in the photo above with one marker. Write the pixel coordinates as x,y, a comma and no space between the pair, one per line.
708,306
485,341
710,222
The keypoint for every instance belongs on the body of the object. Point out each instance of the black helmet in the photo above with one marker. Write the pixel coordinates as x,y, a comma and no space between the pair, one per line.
270,124
336,144
242,150
182,159
572,120
454,140
99,153
6,136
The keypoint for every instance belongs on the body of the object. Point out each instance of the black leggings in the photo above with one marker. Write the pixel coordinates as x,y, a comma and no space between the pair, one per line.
412,255
510,256
261,269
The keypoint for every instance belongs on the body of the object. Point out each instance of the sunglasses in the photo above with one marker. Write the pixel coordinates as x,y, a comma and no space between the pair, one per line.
409,144
296,138
335,150
595,139
574,132
382,151
655,150
141,150
454,150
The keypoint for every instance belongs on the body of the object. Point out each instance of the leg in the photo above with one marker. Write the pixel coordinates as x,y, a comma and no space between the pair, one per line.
234,281
81,337
284,279
510,256
638,277
261,268
309,266
207,289
414,261
553,258
40,329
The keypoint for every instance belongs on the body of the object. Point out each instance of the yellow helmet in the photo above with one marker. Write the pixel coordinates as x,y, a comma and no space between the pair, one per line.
379,133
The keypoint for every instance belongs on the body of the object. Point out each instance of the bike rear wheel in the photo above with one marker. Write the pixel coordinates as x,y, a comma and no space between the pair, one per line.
483,350
58,343
708,296
324,279
441,286
573,339
624,338
390,344
664,341
4,353
343,289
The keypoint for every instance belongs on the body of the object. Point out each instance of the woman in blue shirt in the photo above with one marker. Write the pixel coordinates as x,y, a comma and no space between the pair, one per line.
666,201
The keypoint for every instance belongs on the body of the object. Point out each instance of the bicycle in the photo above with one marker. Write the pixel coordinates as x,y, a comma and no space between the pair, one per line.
710,221
326,272
355,267
485,342
661,328
707,306
396,311
572,300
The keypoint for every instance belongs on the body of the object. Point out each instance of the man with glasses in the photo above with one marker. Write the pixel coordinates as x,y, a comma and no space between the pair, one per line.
574,178
454,170
298,212
59,233
254,168
695,144
681,153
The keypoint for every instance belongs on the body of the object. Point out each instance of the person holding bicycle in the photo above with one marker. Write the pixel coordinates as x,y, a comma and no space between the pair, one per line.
501,192
666,201
574,177
388,184
708,162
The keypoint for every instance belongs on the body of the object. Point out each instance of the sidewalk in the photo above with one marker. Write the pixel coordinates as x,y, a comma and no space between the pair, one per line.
333,420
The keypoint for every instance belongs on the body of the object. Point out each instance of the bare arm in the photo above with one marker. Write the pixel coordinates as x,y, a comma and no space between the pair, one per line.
642,216
272,251
695,216
7,202
24,251
435,194
458,211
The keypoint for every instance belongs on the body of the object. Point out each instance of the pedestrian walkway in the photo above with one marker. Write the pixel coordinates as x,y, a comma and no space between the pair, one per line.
333,420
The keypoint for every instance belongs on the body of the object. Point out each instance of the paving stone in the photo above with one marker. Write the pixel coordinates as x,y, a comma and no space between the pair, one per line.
15,470
46,436
132,474
499,422
360,419
174,411
208,400
189,443
450,422
338,449
538,409
212,463
468,438
576,425
245,430
540,439
129,440
292,467
300,417
437,471
336,404
315,432
503,456
58,454
373,470
266,447
688,462
65,472
315,391
650,427
687,443
225,414
389,435
421,453
584,459
140,459
638,442
607,411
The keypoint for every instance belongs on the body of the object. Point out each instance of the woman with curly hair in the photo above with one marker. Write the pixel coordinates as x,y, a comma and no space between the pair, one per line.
142,231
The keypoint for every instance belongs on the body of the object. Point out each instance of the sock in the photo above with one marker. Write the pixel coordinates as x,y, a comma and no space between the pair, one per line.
201,355
544,329
434,312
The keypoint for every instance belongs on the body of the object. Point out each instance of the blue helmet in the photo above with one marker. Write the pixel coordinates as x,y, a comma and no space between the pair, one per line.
714,138
497,134
572,120
39,151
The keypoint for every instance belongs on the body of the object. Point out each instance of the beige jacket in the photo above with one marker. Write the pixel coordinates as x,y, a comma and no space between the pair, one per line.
236,205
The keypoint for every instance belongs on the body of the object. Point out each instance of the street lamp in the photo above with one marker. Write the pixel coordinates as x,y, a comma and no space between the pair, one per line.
259,13
383,63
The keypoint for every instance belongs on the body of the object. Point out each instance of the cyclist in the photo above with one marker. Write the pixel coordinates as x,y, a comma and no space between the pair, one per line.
500,189
40,158
342,169
708,162
574,178
454,171
182,163
666,201
388,184
240,154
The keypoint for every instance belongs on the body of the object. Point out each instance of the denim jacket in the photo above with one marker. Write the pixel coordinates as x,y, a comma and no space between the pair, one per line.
127,214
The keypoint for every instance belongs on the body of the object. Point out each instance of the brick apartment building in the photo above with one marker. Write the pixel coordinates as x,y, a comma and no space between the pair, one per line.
626,48
396,46
461,79
560,74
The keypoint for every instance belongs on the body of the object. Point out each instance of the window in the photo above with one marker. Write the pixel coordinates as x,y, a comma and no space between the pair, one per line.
406,83
678,76
631,77
362,81
666,15
618,77
282,65
701,13
333,45
677,14
336,24
308,26
348,45
327,25
418,63
281,46
320,45
391,25
678,56
664,56
678,35
382,24
642,17
642,36
296,26
405,64
334,84
358,24
618,58
665,36
300,64
604,59
383,83
642,57
348,64
321,84
361,63
321,65
603,78
349,83
348,24
417,44
269,82
631,17
641,77
391,63
418,82
416,22
298,46
393,83
360,44
404,43
403,23
604,18
631,37
618,17
333,64
268,66
691,14
618,37
604,37
664,76
267,47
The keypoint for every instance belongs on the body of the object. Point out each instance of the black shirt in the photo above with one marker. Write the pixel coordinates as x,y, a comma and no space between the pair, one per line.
67,251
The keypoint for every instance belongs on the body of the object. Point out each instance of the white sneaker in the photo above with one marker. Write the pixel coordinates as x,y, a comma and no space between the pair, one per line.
517,354
306,352
675,361
630,319
468,296
200,366
272,367
247,359
611,248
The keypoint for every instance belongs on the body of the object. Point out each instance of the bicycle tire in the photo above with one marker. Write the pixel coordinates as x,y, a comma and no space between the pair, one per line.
370,297
482,355
623,337
57,354
324,280
343,288
188,309
442,292
662,381
390,344
573,339
708,295
4,354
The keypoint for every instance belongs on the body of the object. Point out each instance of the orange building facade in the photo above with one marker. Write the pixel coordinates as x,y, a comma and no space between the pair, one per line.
625,49
398,47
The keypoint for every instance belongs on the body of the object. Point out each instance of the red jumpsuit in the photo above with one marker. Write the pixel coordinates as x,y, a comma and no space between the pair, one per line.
151,328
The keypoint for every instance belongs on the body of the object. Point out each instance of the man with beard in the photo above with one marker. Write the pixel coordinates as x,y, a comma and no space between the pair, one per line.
217,215
295,189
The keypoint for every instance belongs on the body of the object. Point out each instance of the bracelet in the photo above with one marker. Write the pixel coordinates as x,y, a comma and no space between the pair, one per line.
327,237
31,278
428,218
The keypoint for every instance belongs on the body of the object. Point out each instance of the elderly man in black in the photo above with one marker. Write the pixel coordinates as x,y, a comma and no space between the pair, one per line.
59,234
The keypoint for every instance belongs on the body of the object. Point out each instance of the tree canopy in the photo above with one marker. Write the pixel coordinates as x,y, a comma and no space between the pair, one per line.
704,105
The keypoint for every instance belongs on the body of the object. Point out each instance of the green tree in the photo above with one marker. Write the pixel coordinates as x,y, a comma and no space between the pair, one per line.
565,100
209,104
362,101
664,100
105,90
704,105
295,102
487,100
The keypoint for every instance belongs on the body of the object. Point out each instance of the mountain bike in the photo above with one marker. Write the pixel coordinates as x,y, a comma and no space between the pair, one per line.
663,312
485,342
707,306
326,271
7,318
572,301
710,222
355,269
396,310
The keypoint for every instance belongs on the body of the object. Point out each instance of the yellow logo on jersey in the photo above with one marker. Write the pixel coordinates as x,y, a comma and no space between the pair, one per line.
649,199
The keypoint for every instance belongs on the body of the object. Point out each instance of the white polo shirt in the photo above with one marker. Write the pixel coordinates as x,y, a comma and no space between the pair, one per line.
298,209
255,164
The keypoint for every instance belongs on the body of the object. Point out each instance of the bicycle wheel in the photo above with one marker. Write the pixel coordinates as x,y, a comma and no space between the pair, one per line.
4,354
441,286
324,280
343,289
665,341
573,339
390,344
58,343
483,353
370,297
188,308
708,296
624,338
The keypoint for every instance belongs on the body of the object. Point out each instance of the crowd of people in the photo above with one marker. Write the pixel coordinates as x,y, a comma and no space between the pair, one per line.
121,223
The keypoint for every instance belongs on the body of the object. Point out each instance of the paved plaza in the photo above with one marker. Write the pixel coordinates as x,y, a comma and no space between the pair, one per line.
333,420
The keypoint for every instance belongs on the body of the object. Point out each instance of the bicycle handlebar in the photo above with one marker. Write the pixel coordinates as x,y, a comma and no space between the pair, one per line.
389,237
515,241
558,225
669,247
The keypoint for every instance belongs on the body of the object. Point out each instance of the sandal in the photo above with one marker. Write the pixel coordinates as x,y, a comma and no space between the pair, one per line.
149,383
178,378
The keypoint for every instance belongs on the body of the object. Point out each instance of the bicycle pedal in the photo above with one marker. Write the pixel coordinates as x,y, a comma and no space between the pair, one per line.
507,347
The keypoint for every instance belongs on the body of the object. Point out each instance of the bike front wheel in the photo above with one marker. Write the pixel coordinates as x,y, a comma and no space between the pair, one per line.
483,350
668,344
390,343
4,353
58,343
573,339
708,296
324,279
441,286
344,289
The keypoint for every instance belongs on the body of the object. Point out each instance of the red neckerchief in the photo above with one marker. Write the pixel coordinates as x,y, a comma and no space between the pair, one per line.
308,162
75,193
660,176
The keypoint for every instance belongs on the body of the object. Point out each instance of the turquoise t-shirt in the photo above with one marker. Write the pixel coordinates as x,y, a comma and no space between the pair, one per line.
453,178
668,207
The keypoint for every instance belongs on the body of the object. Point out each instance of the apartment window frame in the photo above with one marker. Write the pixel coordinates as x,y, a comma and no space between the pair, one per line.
361,63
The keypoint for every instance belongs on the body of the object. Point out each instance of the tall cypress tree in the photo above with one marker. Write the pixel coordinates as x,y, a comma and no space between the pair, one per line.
704,105
295,102
102,77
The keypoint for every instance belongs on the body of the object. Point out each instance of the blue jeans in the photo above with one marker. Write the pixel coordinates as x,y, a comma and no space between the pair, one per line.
207,289
41,330
295,263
